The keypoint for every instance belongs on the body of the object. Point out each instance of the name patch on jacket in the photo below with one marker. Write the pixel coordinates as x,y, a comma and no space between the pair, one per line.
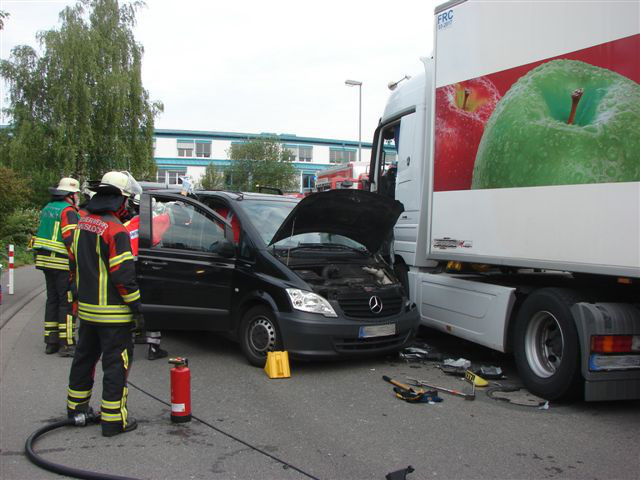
93,225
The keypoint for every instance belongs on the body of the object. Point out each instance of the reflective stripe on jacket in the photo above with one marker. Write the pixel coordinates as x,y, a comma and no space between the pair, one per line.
105,277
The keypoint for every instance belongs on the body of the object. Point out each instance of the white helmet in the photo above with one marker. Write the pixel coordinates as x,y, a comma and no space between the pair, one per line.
122,181
65,186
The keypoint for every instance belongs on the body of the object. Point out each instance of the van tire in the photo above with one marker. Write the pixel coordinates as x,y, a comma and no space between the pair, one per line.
546,344
259,334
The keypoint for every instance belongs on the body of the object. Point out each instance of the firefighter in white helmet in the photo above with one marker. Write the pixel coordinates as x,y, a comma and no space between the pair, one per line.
108,298
51,244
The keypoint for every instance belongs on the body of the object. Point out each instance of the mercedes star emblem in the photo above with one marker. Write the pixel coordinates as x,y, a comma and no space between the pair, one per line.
375,304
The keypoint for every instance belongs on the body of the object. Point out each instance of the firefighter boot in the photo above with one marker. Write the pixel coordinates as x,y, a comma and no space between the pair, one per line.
156,352
67,350
109,430
51,348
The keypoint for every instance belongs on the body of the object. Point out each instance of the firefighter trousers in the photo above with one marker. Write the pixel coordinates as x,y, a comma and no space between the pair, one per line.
115,345
58,315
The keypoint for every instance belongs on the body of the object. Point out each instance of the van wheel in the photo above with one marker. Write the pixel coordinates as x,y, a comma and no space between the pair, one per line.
259,335
546,346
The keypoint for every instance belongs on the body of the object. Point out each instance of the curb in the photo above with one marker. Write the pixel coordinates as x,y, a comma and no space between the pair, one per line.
13,309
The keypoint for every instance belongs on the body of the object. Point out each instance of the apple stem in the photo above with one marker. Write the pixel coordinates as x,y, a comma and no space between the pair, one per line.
467,92
575,98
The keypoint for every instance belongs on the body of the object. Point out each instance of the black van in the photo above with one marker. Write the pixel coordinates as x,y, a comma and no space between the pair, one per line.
278,273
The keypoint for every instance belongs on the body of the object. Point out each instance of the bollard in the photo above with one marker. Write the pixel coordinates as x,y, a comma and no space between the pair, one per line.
10,269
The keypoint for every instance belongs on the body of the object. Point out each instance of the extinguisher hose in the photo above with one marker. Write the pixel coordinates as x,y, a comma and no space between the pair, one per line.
79,420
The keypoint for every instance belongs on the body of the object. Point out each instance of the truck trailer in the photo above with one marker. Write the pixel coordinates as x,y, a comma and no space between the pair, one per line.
518,164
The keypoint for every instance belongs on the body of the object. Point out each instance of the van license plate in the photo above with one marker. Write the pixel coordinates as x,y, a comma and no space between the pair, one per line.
377,331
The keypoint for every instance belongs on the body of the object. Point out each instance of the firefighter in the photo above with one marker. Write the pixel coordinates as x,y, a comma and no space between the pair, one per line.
58,221
108,298
142,336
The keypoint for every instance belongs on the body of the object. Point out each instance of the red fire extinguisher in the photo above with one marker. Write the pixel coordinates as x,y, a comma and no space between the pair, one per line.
180,390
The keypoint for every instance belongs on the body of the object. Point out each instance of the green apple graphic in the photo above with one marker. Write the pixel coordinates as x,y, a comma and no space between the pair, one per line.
565,122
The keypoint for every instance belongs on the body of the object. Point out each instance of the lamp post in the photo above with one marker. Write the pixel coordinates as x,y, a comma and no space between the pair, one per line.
356,83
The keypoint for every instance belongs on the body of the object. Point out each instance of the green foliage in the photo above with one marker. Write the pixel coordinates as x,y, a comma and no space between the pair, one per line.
18,226
213,178
260,162
14,193
80,109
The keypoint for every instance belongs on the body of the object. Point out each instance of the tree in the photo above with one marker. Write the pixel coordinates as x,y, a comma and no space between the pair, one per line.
213,178
260,162
80,109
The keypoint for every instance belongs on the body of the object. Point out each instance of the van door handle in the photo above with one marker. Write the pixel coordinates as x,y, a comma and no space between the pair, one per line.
155,263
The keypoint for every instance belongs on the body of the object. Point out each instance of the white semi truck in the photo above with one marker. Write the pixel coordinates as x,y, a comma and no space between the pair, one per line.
518,164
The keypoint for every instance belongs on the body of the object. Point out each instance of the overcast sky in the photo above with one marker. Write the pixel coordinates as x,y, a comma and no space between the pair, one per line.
263,66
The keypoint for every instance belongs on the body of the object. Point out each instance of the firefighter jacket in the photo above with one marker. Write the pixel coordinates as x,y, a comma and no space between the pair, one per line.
104,271
58,220
133,227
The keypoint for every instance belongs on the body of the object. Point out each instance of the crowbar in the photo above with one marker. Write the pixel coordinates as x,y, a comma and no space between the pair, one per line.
466,396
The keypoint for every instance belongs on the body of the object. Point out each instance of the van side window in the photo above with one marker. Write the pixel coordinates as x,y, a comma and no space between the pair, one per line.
180,225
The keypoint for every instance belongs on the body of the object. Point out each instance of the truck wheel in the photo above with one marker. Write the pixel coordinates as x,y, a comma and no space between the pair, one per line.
259,334
546,346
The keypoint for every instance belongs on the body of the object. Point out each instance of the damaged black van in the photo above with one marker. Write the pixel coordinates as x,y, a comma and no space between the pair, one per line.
278,273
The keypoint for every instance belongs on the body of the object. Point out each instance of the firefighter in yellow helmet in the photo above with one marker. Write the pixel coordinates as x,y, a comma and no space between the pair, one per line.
108,298
58,221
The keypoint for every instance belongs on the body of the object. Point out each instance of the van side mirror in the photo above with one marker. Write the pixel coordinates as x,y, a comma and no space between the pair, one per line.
225,248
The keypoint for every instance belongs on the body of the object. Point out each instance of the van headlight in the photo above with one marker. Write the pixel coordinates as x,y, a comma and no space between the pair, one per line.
310,302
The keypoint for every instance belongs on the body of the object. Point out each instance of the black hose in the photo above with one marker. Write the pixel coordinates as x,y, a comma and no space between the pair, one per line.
62,469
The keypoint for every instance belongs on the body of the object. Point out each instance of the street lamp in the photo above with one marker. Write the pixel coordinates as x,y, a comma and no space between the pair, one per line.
356,83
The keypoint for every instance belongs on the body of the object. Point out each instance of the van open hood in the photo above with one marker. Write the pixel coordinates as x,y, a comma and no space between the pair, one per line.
362,216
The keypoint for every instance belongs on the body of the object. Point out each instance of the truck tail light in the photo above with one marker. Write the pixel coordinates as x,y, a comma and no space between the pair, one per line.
615,343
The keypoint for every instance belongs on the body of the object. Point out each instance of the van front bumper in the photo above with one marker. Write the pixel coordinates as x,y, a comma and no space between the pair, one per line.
311,335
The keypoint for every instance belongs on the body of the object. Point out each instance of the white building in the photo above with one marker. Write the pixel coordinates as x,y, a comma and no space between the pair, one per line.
188,152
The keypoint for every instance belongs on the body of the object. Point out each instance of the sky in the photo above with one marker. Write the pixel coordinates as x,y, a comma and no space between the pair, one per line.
254,66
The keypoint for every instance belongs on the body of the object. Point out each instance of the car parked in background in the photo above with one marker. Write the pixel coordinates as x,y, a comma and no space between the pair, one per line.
278,273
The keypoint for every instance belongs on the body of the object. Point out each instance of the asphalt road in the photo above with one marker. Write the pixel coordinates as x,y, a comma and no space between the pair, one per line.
335,420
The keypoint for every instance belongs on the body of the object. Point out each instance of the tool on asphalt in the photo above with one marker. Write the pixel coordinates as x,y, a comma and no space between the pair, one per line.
428,396
412,394
466,396
400,474
491,373
277,365
180,390
474,379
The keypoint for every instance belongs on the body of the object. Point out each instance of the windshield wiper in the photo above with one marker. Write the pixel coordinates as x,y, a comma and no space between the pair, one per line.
337,246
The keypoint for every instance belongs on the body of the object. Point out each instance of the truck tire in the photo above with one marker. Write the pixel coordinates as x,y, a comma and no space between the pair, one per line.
259,334
546,345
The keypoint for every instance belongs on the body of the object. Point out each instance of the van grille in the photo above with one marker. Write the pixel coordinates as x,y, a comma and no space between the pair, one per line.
357,305
353,345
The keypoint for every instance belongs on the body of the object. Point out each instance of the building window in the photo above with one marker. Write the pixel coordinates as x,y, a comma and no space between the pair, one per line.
185,148
293,153
300,153
305,154
203,149
342,155
170,177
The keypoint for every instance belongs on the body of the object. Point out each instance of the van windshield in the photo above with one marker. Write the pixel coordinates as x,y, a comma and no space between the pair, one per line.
267,216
